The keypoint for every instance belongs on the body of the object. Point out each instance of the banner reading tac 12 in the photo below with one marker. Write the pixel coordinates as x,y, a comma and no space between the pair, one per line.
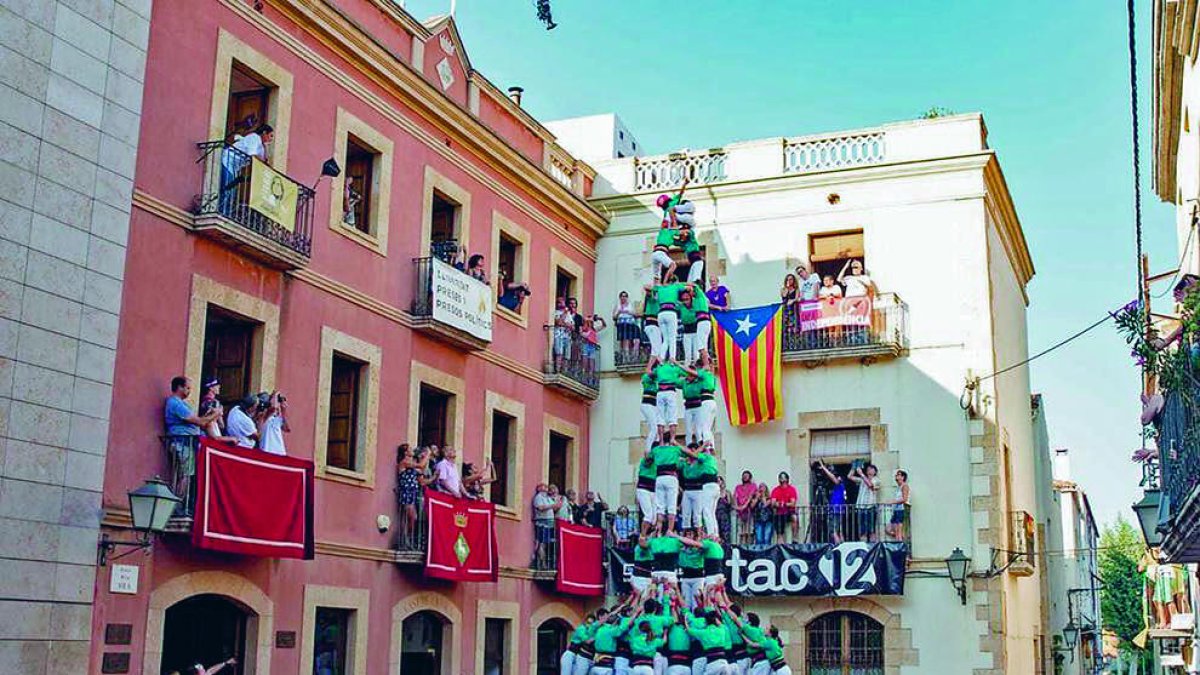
273,195
461,301
835,312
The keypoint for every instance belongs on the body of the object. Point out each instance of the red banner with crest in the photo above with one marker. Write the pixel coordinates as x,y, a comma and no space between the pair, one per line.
462,538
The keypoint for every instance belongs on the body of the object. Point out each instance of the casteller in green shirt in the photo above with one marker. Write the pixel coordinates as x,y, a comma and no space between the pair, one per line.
650,307
666,553
667,459
665,238
607,634
711,636
686,239
771,649
668,294
642,647
755,635
714,557
669,376
700,471
695,388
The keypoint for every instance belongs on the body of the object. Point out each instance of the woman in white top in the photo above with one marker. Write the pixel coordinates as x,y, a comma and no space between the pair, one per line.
625,320
860,290
866,478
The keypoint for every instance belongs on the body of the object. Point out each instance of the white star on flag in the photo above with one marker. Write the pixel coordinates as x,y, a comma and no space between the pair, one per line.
745,324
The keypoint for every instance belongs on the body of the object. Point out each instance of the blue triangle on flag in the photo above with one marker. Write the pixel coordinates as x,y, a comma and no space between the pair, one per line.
744,324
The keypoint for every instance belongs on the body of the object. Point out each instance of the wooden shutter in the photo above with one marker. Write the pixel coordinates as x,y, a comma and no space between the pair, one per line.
836,246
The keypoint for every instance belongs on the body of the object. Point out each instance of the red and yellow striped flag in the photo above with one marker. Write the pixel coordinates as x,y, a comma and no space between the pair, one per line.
749,344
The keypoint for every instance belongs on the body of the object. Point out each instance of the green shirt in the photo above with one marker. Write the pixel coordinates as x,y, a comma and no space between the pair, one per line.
710,636
669,375
691,558
640,646
696,387
661,546
735,636
687,316
771,648
687,240
643,554
666,458
703,466
755,635
583,633
649,384
666,237
651,305
658,622
607,634
678,640
668,294
646,469
699,300
714,556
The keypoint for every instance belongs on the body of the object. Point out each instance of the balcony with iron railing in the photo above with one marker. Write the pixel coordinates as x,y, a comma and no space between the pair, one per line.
1022,544
248,206
1178,428
572,363
449,304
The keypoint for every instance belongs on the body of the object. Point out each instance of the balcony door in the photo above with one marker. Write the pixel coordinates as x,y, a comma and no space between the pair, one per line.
249,102
557,471
228,353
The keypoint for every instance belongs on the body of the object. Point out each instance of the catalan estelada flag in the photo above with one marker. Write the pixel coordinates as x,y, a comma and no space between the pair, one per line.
749,342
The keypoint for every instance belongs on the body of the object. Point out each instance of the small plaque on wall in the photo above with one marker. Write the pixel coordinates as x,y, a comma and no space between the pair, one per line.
285,639
118,633
115,662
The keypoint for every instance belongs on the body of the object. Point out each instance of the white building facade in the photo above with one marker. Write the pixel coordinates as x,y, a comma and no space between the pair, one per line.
924,204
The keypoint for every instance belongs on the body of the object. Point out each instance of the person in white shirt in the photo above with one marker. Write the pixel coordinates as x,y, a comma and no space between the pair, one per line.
274,425
241,425
829,290
860,291
810,282
234,160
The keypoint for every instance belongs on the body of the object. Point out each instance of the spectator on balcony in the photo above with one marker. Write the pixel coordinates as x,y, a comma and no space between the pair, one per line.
544,508
178,416
784,497
866,477
789,295
860,290
590,341
593,509
899,505
476,270
274,425
410,478
474,481
563,508
724,510
764,516
445,473
835,512
743,498
624,528
210,391
241,423
235,159
808,309
575,506
625,319
213,429
830,291
718,295
564,328
512,293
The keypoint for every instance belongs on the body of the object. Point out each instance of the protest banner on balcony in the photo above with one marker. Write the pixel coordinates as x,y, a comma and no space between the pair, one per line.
273,194
233,484
461,545
580,560
461,301
836,313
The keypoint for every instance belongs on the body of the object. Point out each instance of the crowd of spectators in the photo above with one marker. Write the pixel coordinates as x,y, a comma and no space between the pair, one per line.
549,505
576,339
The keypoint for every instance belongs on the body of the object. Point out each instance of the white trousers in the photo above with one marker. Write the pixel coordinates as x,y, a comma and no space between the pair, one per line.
666,495
698,665
693,419
703,331
716,667
650,417
668,323
708,418
600,670
654,334
696,272
582,665
661,262
642,670
760,667
639,583
690,345
690,588
645,500
708,507
667,404
690,510
785,670
660,664
743,666
621,665
566,664
679,670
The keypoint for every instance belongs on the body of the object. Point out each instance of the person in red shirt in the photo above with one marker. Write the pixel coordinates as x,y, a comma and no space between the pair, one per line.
784,495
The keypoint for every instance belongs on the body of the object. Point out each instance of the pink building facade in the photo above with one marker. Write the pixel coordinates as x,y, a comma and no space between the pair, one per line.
332,305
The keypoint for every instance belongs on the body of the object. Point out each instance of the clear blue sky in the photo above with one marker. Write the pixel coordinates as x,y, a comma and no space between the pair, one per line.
1052,82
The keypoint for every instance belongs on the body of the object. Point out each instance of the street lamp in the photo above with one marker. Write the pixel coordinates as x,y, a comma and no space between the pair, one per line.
956,565
1147,515
1071,635
150,508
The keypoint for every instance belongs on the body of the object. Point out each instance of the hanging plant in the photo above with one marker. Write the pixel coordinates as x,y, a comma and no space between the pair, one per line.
1131,324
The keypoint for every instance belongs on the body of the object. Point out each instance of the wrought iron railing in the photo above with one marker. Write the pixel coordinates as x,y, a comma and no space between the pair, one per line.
412,530
181,470
664,173
635,353
1179,436
225,191
545,547
806,155
888,329
1022,536
570,355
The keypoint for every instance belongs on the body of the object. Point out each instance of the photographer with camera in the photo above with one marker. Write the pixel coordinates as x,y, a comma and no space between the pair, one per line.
273,424
241,422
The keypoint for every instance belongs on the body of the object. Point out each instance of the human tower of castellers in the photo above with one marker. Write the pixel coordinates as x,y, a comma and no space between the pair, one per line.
677,619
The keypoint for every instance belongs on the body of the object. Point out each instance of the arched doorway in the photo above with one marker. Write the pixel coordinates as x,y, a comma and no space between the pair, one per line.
422,648
205,629
552,637
844,643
